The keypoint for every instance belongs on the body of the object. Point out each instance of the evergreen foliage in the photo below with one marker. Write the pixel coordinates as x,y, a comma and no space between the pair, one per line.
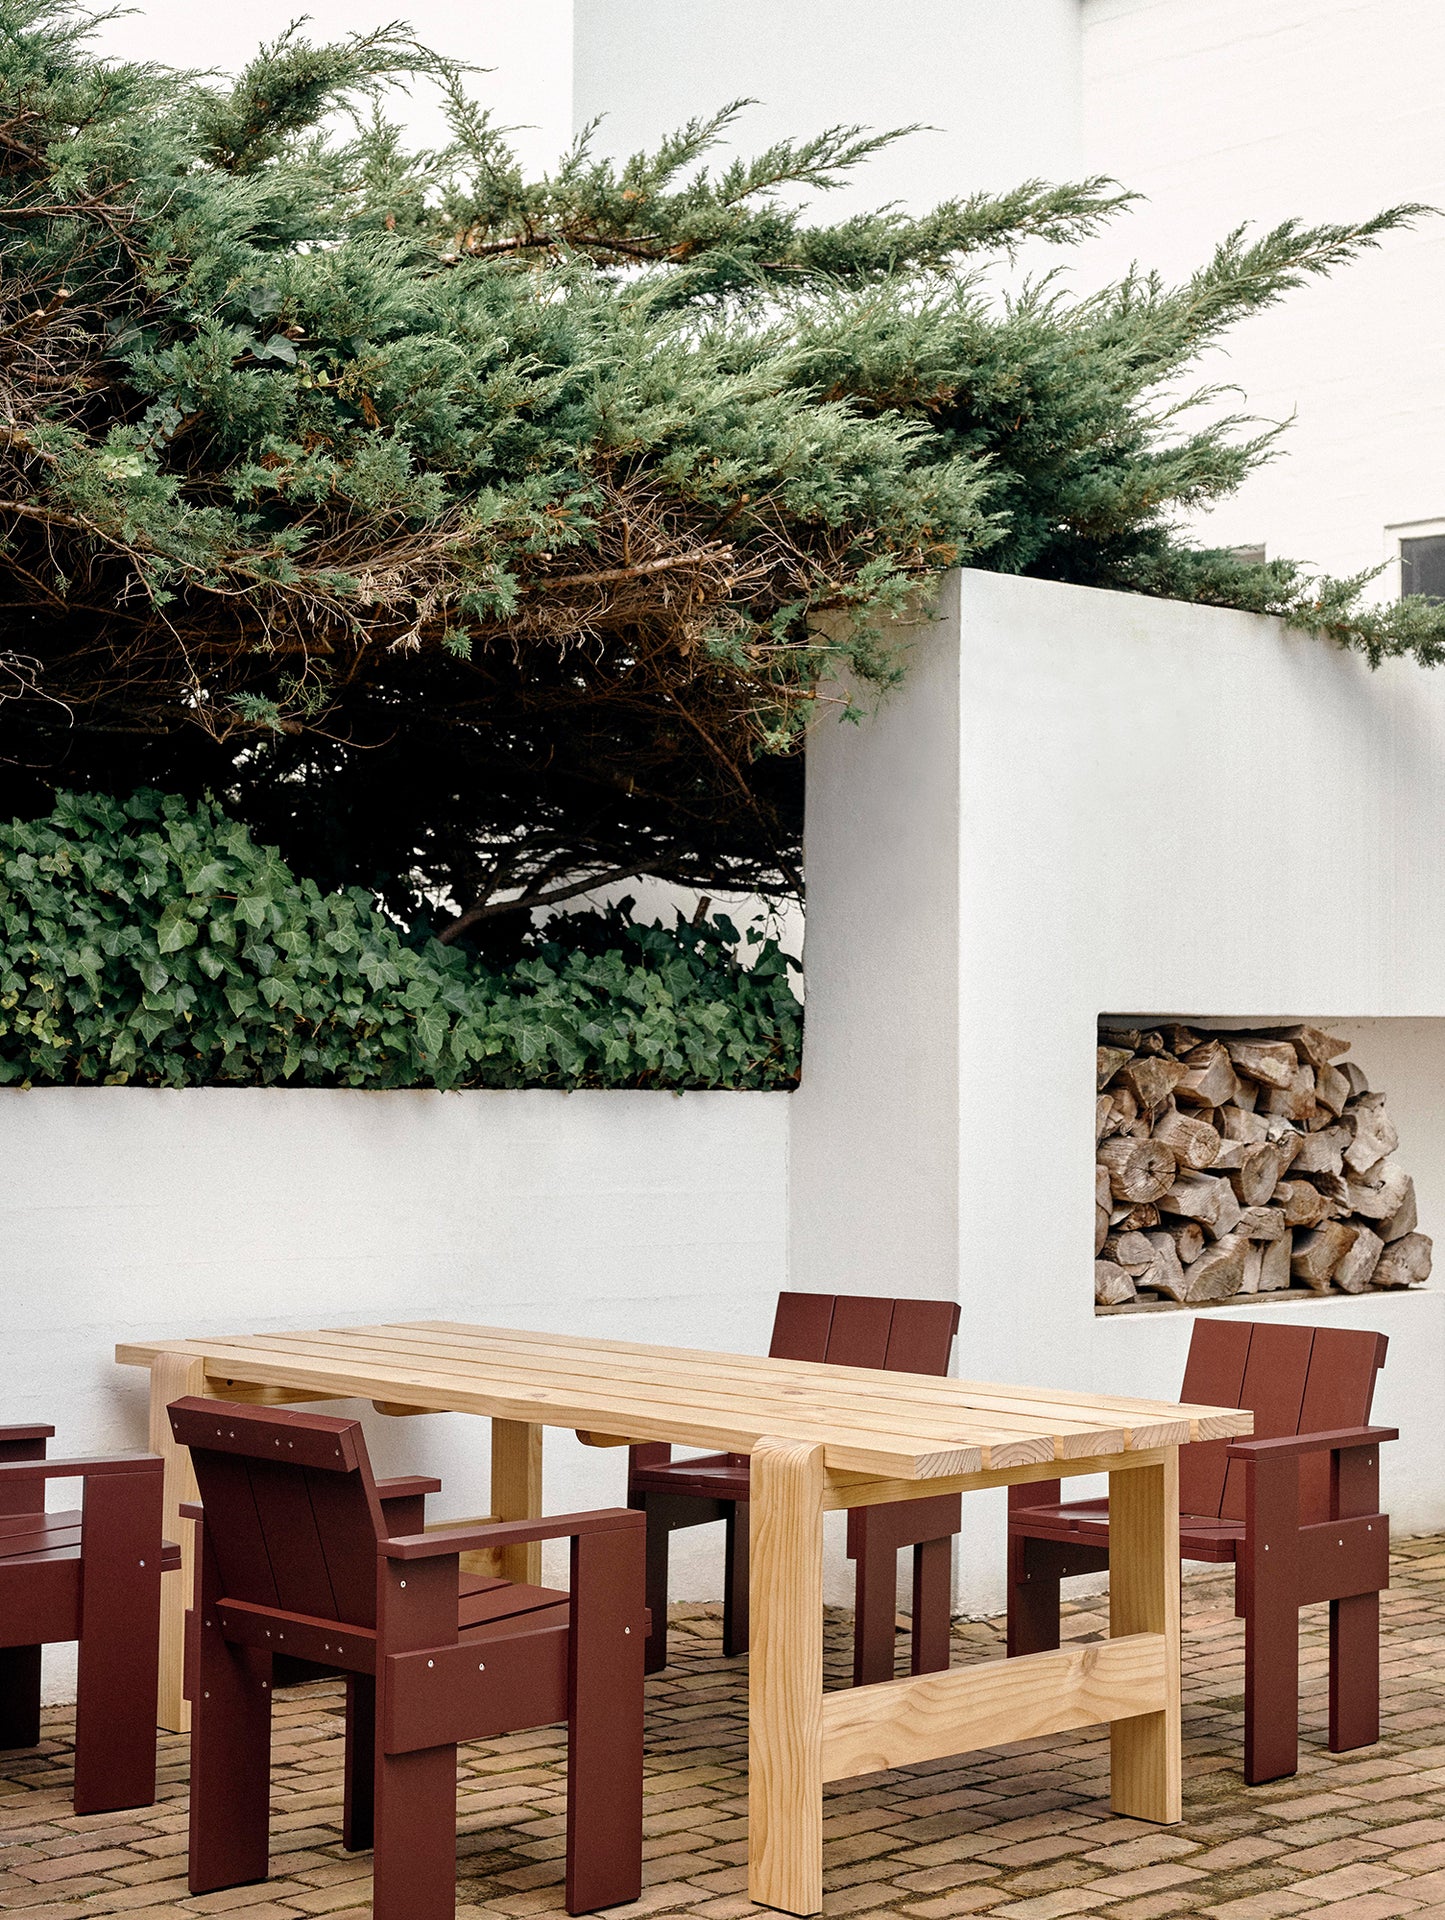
483,538
155,944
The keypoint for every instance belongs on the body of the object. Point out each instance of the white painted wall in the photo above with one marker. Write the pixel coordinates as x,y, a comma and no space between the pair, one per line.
1326,109
127,1214
522,54
995,82
1083,802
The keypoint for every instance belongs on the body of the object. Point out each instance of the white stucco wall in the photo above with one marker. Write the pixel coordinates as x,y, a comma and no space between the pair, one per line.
994,83
127,1214
1260,110
1092,802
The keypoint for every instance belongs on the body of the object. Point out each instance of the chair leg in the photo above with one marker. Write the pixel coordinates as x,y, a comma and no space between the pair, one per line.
1355,1622
119,1650
604,1723
735,1580
1033,1600
1269,1583
414,1872
1354,1672
932,1606
657,1535
230,1764
358,1822
19,1696
875,1612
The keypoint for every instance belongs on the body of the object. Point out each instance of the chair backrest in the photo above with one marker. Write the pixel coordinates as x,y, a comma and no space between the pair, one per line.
291,1507
1294,1380
23,1443
865,1330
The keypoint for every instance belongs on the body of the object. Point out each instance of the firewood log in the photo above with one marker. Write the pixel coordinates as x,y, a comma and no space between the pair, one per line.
1380,1193
1151,1080
1335,1190
1103,1194
1297,1100
1164,1273
1188,1239
1196,1196
1272,1063
1237,1124
1126,1038
1257,1175
1354,1272
1332,1089
1209,1078
1138,1169
1247,1097
1131,1251
1313,1044
1304,1205
1373,1132
1231,1155
1261,1223
1103,1116
1274,1273
1404,1220
1319,1252
1110,1061
1180,1040
1355,1074
1137,1219
1218,1274
1321,1152
1194,1144
1405,1262
1101,1229
1253,1266
1112,1286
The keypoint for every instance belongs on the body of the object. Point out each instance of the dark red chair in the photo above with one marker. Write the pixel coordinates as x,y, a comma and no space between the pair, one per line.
92,1576
846,1330
302,1557
1296,1508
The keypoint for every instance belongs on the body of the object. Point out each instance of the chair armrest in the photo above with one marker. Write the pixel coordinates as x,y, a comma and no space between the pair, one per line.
75,1469
407,1486
1296,1446
508,1533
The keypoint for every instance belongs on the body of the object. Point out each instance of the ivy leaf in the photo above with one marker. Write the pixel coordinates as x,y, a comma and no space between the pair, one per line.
176,928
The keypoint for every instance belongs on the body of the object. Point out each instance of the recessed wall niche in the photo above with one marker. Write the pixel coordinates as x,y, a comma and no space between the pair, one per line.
1238,1159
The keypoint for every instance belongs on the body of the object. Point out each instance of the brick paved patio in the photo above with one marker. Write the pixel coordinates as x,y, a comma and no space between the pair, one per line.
1022,1834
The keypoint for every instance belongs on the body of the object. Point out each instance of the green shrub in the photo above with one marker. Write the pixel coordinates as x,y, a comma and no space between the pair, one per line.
151,943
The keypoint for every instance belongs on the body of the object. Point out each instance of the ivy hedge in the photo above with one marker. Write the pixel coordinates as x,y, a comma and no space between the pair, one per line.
154,943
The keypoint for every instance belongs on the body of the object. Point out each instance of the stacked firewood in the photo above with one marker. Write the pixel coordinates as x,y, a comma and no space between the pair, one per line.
1237,1163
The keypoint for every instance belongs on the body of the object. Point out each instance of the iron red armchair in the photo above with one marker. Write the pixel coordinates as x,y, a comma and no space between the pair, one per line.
92,1575
1296,1509
298,1559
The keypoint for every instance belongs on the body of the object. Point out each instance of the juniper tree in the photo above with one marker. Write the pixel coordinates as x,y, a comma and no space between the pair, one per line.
480,538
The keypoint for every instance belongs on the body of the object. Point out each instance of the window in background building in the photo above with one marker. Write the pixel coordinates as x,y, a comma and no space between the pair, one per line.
1422,565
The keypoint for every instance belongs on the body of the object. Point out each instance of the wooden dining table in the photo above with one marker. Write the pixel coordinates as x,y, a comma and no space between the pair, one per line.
820,1438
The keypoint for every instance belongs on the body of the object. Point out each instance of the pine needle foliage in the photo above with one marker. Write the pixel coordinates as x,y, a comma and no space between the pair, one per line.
484,538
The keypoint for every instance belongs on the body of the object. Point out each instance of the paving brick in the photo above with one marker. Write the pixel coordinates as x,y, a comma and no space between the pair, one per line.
1023,1833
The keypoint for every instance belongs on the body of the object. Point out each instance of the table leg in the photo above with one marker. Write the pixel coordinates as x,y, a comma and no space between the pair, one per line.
1144,1598
172,1376
785,1678
517,1492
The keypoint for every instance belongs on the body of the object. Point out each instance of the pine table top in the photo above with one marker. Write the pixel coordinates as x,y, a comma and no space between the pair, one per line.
904,1425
